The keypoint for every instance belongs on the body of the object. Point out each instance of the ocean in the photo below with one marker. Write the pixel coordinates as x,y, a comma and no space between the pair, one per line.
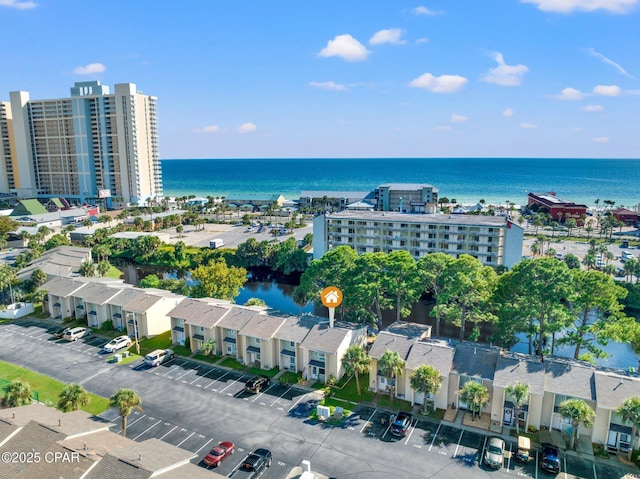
467,180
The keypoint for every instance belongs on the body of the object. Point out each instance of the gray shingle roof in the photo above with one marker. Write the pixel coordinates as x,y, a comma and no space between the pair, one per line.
524,369
434,353
63,287
410,330
324,339
612,389
154,455
69,423
394,342
111,467
97,293
147,299
68,469
294,329
236,319
262,326
475,361
32,437
126,295
59,261
199,312
570,379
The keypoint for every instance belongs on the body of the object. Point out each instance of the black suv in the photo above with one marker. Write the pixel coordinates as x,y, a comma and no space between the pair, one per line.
257,461
549,458
401,424
257,384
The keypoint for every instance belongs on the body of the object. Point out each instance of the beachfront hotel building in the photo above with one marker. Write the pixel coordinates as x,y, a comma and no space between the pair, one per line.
494,240
90,147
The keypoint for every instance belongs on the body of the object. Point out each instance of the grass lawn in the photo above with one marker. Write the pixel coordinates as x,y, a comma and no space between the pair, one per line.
161,341
290,377
332,403
534,436
208,358
181,350
113,272
129,359
263,372
233,364
349,391
48,389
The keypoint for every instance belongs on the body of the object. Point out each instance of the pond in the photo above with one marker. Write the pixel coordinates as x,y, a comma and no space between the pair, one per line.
279,296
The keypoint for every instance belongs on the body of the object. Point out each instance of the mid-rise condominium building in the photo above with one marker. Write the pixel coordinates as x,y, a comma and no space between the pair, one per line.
93,145
494,240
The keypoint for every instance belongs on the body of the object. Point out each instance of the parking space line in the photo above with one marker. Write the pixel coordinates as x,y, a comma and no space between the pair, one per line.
229,385
187,373
203,446
434,436
146,430
174,369
216,380
132,423
368,420
564,459
203,376
166,434
413,428
259,395
188,437
458,445
296,403
280,397
595,474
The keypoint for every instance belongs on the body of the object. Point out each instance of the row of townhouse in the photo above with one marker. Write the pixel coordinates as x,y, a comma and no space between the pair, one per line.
550,383
253,336
258,337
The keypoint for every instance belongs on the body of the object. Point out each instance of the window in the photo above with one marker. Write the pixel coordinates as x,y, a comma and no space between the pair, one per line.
321,355
292,344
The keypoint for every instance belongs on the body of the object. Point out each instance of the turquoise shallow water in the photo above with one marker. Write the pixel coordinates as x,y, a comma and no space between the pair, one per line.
466,179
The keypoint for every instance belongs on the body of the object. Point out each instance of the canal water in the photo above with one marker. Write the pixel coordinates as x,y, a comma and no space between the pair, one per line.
279,296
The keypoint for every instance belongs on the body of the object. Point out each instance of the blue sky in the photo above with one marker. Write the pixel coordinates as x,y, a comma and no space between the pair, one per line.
258,79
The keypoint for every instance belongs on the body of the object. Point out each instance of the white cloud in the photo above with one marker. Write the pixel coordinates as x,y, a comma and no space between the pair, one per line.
328,85
528,126
247,128
18,4
209,129
345,47
600,139
442,128
441,84
458,118
389,35
568,6
608,61
505,75
570,94
422,40
89,69
607,90
508,112
424,11
592,108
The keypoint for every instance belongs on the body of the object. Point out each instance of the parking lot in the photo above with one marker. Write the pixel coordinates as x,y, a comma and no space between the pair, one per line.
194,406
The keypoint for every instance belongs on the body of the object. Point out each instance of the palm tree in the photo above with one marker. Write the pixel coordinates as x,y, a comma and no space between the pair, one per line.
73,397
519,392
207,347
103,267
17,393
391,365
476,396
87,269
355,361
126,400
629,410
579,412
426,380
38,276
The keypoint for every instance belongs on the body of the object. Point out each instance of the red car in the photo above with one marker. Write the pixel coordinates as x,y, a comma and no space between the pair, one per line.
218,453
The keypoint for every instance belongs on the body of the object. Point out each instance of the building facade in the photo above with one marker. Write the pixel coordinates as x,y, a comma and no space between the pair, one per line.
559,209
491,239
406,197
89,147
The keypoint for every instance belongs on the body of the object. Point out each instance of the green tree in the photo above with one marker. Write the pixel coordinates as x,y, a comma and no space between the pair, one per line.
217,280
255,302
391,366
579,412
88,269
207,347
356,361
572,261
519,393
476,396
125,400
17,393
364,293
597,301
150,281
7,225
7,278
629,410
73,397
431,269
103,267
38,277
467,287
426,380
401,279
179,230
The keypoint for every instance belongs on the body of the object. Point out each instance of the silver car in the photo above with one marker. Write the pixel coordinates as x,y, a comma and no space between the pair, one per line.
494,454
157,357
74,334
117,343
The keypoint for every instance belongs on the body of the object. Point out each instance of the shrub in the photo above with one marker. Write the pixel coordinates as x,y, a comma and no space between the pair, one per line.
107,326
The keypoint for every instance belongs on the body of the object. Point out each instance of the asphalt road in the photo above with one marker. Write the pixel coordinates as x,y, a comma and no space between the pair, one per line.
195,406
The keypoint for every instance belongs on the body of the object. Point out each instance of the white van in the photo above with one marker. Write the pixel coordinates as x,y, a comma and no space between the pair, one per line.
74,334
216,243
626,255
157,357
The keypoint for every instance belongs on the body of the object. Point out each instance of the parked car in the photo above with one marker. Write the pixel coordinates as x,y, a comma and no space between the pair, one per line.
257,461
257,384
74,334
549,458
117,343
58,333
401,424
159,356
494,455
218,453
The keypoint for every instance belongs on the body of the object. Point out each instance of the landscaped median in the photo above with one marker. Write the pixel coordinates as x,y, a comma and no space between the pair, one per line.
48,389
